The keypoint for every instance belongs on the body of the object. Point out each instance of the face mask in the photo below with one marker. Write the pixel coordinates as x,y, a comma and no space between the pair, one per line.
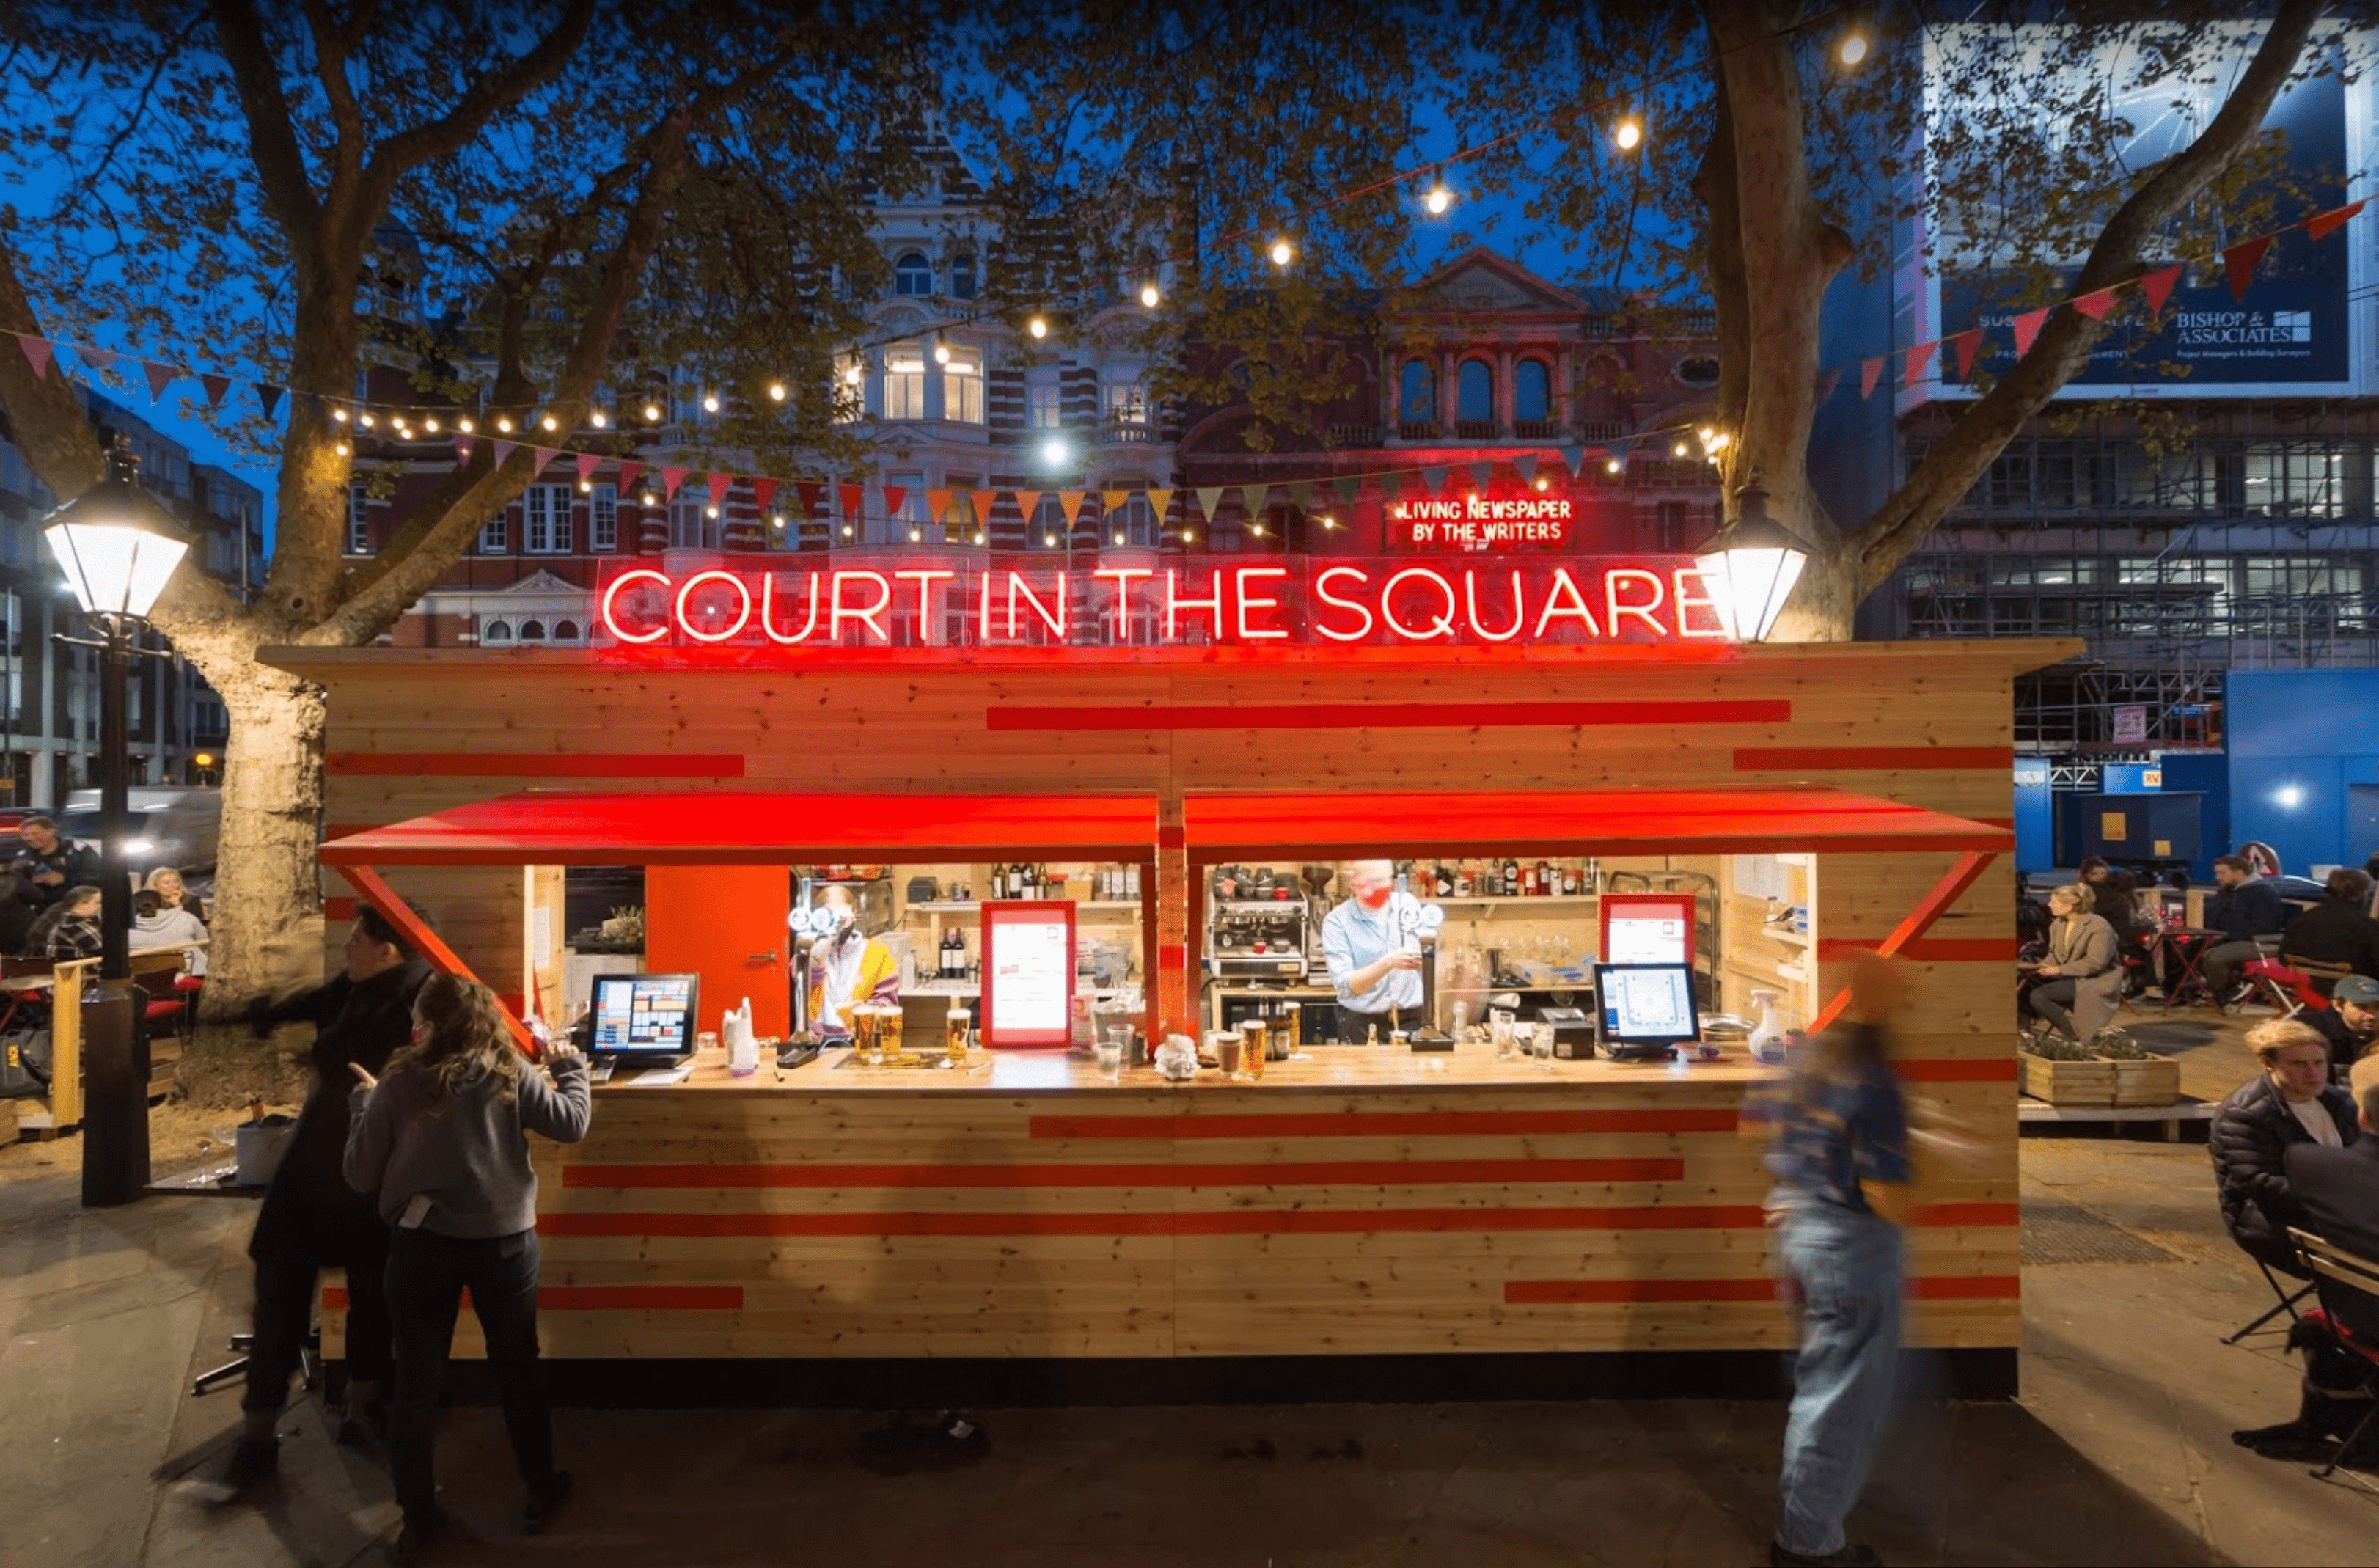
1375,898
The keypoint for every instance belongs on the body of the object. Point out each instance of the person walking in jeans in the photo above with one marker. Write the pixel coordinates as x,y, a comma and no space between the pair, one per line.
1841,1138
441,1141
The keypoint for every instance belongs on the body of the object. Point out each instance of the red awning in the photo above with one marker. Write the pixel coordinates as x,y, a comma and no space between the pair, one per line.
757,827
1232,826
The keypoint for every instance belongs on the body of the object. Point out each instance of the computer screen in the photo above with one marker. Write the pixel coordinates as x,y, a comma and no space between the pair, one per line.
643,1015
1645,1003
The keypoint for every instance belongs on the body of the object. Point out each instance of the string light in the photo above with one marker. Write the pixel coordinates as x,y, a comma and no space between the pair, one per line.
779,520
915,533
1283,253
1257,530
711,513
846,530
941,352
464,426
1678,450
1629,134
1852,47
599,419
1611,465
431,426
1049,539
1053,452
1118,536
648,498
776,392
1543,483
978,535
586,487
710,403
855,374
652,413
1149,295
341,449
1438,199
1038,327
550,423
503,423
1189,535
365,420
340,415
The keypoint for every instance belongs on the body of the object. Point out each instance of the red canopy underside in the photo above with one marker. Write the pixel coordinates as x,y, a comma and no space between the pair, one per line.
1231,826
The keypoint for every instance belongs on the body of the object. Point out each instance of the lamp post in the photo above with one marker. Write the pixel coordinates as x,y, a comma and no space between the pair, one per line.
1751,567
118,548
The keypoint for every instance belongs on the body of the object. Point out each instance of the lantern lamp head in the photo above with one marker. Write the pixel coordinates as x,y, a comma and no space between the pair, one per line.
118,546
1751,568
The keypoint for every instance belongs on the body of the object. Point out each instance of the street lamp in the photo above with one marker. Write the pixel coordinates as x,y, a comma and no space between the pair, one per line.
119,548
1751,567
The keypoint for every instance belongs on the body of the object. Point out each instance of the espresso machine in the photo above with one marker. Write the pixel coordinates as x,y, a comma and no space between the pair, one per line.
1256,927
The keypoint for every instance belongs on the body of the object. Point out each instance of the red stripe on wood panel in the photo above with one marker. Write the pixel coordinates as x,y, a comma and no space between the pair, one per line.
1388,1123
1841,759
609,1298
539,765
1957,1070
1975,1287
1390,716
341,829
1934,949
1172,955
1172,835
1314,1173
1220,1222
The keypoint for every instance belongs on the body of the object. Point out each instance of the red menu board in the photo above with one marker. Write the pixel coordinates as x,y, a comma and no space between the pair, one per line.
1028,973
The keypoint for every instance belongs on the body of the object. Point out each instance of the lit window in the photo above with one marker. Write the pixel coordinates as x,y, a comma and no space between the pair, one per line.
691,526
1128,402
603,519
1043,398
913,274
358,521
962,388
545,513
904,383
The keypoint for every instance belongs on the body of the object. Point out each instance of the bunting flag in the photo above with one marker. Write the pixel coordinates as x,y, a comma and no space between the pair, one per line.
463,450
983,501
1347,489
1967,343
2159,285
1160,501
670,480
1433,479
1482,475
1574,459
1252,499
215,387
2321,226
587,462
1301,495
763,490
853,498
1525,465
505,450
38,354
545,456
2241,262
96,358
721,482
812,494
1392,487
1113,502
1070,503
938,502
1870,372
269,396
1825,385
1027,502
629,470
2095,305
159,377
1919,357
2028,328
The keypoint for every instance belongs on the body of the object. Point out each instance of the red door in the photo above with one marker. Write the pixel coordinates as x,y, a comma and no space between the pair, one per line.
727,925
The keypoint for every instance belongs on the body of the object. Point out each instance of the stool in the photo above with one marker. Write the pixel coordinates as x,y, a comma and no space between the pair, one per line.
310,1362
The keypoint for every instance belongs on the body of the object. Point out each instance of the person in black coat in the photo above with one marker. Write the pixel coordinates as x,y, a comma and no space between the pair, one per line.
2250,913
2338,930
51,865
2289,1104
2339,1191
312,1219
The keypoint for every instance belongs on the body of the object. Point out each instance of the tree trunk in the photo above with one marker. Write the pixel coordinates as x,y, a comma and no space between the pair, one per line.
1824,603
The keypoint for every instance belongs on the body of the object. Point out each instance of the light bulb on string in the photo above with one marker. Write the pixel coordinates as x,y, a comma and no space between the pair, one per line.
599,419
648,498
431,426
1149,296
711,513
915,534
466,426
1189,535
1257,530
854,375
1611,465
1283,253
1629,135
652,413
549,423
1438,199
779,520
710,403
846,530
586,487
340,415
1543,483
1853,48
941,352
1118,536
341,449
978,535
504,423
365,420
776,392
1038,327
1050,540
1678,450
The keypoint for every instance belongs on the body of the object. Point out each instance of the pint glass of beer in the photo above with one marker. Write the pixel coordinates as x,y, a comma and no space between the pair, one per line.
887,1031
1254,1032
959,1025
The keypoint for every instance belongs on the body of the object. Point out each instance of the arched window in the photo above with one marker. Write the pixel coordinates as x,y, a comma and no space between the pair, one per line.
565,631
962,275
1532,391
495,632
912,273
1475,393
532,631
1416,394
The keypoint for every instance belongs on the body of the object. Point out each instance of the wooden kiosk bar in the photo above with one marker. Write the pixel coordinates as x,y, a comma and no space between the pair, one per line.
1363,1222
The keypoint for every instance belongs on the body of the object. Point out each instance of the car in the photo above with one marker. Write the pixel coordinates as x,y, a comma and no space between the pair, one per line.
171,828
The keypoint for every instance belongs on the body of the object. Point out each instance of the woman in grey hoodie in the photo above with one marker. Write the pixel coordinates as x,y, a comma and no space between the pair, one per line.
441,1140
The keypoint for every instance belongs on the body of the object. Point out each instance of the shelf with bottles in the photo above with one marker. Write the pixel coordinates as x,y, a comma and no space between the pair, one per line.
1518,900
1482,882
972,906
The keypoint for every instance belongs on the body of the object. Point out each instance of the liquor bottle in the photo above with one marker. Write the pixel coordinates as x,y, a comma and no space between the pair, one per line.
999,880
1462,880
1545,879
1511,878
1528,881
1441,881
1131,882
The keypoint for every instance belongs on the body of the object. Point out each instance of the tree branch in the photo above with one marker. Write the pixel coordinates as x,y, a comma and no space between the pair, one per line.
1951,465
271,137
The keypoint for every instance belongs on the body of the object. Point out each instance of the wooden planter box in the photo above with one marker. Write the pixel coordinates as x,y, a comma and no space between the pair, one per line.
2154,1081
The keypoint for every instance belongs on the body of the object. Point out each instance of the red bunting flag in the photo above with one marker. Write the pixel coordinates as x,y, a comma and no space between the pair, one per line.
2027,328
720,485
763,490
96,358
38,352
160,378
587,462
812,494
2321,226
1967,344
545,456
1870,372
670,480
2095,305
505,450
1825,385
2241,262
1919,357
628,473
895,496
2158,286
216,386
854,497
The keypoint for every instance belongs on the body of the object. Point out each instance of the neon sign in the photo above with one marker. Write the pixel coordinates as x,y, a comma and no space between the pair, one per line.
780,609
1482,523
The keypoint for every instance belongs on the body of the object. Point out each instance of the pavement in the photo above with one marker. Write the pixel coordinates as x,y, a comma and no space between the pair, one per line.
2117,1452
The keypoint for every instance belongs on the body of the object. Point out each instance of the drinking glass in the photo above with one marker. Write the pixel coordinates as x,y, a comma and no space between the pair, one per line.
959,1027
1228,1052
864,1041
1499,1029
1257,1036
1541,1039
706,1047
1109,1052
887,1032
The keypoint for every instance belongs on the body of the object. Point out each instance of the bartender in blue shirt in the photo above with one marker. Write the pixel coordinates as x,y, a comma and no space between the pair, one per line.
1373,967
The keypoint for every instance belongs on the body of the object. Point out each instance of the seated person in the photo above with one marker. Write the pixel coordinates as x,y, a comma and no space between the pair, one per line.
2250,915
156,923
2289,1103
2350,1022
2337,930
67,929
2079,985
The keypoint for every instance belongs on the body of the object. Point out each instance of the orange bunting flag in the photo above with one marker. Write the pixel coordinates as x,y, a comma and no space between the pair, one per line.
1113,502
939,503
983,501
2095,305
1919,357
2158,286
2241,262
1870,372
1967,344
1158,502
1028,503
1070,503
2321,226
2027,328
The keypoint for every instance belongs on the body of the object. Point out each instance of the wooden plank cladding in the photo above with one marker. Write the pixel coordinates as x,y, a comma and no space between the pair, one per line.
1364,1203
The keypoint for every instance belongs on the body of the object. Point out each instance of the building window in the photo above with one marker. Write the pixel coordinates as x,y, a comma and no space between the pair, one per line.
532,632
1532,391
603,519
913,274
1128,402
1043,398
1474,393
691,524
911,513
962,388
565,631
904,383
1669,527
1415,394
962,275
495,632
495,536
358,521
545,520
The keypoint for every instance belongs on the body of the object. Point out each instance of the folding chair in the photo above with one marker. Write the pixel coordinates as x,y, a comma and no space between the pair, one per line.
2286,986
2288,1302
2321,978
2342,1276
